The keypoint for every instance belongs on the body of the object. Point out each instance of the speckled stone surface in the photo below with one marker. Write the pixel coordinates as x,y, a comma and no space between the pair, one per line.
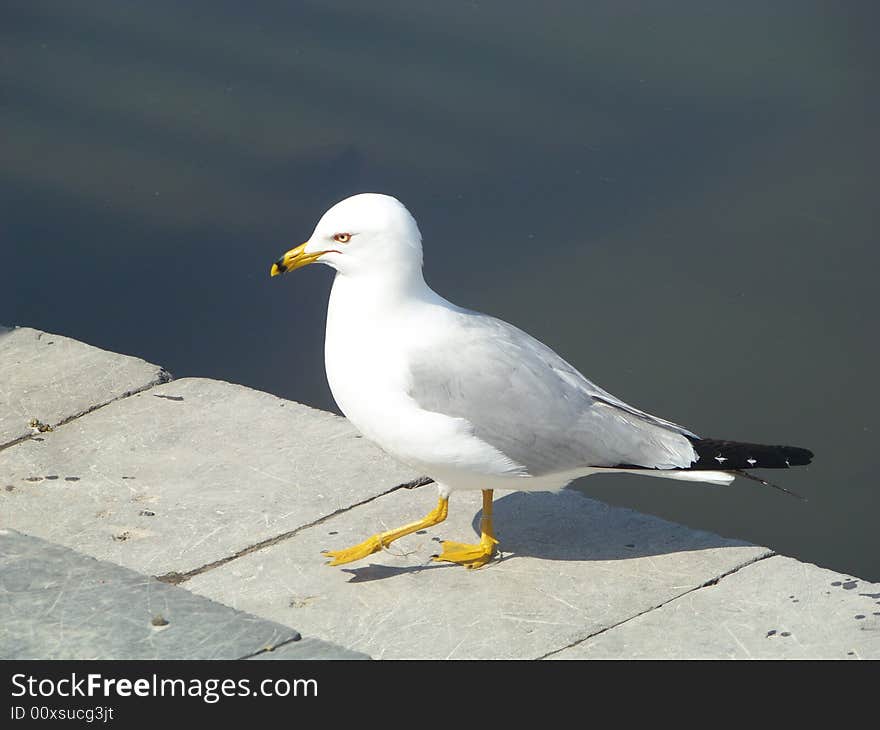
188,473
52,378
231,494
571,567
59,604
778,608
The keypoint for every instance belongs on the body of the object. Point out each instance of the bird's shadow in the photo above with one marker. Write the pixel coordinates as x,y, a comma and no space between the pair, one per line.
568,526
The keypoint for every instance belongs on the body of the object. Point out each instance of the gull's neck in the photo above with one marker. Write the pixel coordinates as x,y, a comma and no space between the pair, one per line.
367,293
370,317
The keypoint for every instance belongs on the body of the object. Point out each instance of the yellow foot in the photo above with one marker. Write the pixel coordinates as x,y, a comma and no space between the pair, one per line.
355,552
471,556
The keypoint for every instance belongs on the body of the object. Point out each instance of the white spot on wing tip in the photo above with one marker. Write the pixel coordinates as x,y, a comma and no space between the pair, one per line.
751,462
720,459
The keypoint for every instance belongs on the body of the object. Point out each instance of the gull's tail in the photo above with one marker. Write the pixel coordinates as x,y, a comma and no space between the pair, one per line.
719,462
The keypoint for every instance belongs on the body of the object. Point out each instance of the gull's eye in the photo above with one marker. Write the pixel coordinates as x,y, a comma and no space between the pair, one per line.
342,237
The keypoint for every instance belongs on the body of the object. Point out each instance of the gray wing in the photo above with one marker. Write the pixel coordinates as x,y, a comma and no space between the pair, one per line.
527,402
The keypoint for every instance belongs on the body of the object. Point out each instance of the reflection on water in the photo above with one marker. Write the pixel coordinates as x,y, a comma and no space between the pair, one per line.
678,199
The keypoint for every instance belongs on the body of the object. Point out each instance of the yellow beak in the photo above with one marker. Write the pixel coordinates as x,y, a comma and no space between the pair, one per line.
296,258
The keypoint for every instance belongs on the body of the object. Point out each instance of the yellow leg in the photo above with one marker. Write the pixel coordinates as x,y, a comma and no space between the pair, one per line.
474,556
383,539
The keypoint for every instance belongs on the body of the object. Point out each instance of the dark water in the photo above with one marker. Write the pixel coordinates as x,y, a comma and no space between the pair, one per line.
679,197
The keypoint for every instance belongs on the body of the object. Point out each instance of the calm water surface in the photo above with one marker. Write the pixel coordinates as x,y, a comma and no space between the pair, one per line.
680,198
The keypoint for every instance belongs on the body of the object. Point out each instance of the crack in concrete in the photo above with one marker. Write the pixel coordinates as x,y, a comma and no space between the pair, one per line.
267,649
176,578
162,377
711,582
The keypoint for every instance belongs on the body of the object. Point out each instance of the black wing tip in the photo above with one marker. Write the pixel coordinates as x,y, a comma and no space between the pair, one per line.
798,456
725,455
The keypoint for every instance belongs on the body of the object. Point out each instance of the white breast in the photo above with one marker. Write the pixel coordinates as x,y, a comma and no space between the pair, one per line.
366,349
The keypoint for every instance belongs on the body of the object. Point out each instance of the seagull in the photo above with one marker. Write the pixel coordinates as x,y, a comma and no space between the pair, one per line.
469,400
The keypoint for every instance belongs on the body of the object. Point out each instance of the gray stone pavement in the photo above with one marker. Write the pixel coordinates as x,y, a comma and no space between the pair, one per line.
52,379
188,473
571,567
59,604
778,608
228,495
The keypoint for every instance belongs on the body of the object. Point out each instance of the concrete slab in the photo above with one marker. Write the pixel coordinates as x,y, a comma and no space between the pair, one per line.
571,568
52,378
778,608
236,492
59,604
188,473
